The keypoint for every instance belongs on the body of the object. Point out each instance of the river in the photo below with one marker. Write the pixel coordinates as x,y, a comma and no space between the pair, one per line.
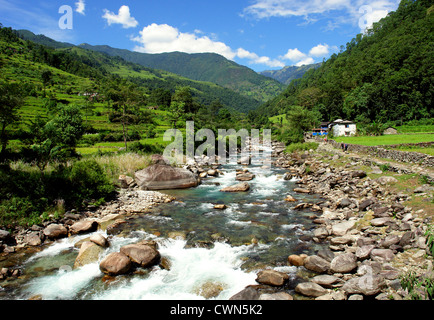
224,248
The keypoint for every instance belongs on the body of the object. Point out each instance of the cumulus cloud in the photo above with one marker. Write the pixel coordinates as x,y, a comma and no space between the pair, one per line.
299,58
159,38
80,7
320,50
294,55
123,17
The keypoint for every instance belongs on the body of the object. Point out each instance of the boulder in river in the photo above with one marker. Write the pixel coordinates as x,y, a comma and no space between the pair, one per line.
240,187
161,177
143,255
55,231
115,263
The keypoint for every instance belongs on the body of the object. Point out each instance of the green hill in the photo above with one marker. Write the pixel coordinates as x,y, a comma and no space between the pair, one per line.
103,64
208,67
289,73
385,74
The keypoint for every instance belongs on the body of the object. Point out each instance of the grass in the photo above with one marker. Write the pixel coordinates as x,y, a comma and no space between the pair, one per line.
387,139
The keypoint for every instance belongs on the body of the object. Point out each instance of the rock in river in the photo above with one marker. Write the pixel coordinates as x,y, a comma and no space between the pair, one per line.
240,187
162,176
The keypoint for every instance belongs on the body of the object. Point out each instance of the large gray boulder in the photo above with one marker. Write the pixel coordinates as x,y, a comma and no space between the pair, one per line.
162,177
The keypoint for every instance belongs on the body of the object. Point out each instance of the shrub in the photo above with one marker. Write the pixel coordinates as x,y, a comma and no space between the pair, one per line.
301,147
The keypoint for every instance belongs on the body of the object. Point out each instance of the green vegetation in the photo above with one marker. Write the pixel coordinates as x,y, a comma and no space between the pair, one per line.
387,139
419,288
382,75
301,147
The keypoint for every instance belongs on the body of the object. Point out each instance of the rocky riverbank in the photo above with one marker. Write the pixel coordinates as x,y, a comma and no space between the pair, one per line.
373,238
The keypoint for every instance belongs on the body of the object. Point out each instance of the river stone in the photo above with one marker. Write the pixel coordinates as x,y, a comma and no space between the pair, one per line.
386,180
358,174
245,176
272,277
385,255
365,203
367,285
325,280
240,187
89,253
276,296
341,228
83,226
310,289
33,239
55,231
301,190
317,264
380,222
364,252
343,263
99,239
209,289
143,255
248,293
390,240
115,263
295,260
162,177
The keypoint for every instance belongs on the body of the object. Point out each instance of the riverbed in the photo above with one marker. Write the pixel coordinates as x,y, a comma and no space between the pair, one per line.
204,247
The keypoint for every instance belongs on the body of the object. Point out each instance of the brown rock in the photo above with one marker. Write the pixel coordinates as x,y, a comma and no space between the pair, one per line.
143,255
295,260
240,187
162,176
55,231
83,227
272,277
343,263
310,289
317,264
115,263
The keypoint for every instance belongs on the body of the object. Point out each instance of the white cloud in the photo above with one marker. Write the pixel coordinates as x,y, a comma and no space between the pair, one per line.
80,7
337,11
159,38
299,58
123,17
294,55
320,50
308,60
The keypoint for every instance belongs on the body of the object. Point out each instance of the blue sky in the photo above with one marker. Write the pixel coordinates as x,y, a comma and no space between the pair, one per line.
260,34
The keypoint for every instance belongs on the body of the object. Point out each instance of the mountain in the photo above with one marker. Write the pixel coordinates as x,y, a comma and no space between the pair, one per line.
384,74
87,63
41,39
210,67
289,73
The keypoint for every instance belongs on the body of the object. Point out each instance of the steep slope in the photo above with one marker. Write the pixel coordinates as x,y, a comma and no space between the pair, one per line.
208,67
384,74
289,73
104,64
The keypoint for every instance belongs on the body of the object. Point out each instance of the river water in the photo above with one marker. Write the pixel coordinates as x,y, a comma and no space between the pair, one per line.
223,249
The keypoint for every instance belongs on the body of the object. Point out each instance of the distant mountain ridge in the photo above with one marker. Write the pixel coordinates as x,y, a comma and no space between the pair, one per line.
289,73
209,67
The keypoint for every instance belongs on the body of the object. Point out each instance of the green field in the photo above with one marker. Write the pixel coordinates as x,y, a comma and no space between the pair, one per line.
387,139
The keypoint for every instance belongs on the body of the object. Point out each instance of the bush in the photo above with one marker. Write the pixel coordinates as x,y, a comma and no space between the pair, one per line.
88,182
301,147
145,148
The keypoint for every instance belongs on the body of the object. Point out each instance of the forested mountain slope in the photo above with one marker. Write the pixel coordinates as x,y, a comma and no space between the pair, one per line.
385,74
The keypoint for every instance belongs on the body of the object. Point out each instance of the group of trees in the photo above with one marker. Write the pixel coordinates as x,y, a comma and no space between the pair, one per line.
385,74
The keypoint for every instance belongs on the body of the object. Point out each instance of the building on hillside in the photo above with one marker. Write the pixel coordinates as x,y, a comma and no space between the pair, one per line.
322,130
390,130
341,127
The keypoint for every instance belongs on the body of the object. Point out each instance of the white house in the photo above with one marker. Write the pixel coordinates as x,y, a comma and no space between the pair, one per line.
343,128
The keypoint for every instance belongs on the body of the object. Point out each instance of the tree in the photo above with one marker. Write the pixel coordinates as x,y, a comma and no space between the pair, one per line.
11,100
46,77
300,120
56,138
176,112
